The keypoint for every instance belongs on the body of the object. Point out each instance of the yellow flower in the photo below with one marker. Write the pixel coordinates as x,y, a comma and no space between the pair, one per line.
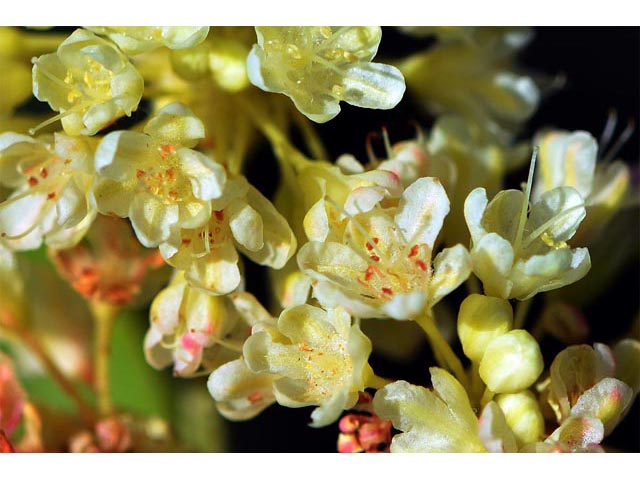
518,255
197,332
475,80
155,178
134,40
438,420
380,265
89,81
320,356
243,219
52,201
317,67
569,159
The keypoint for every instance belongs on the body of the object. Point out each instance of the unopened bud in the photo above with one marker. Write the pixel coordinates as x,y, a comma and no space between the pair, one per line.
522,412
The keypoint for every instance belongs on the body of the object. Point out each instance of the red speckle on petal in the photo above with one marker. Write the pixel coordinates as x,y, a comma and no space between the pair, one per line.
255,397
51,195
219,215
421,265
33,181
139,173
375,258
387,290
44,173
414,251
368,273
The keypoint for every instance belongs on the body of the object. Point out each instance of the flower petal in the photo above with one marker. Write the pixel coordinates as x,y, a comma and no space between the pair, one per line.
451,267
176,124
421,211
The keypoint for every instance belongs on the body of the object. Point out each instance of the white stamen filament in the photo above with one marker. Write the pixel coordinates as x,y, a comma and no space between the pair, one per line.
525,203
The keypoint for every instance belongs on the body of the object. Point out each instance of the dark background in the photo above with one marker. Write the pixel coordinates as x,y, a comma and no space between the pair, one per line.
601,66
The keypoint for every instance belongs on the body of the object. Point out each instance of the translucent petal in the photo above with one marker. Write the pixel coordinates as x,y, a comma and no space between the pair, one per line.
502,215
240,394
151,219
451,267
608,400
330,411
176,124
565,160
474,207
373,85
627,353
206,176
120,153
579,432
217,272
492,258
279,241
494,432
246,225
421,211
557,215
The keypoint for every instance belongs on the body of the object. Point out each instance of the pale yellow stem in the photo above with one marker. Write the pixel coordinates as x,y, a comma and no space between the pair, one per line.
104,316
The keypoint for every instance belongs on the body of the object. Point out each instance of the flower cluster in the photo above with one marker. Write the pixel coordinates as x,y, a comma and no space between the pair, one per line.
161,211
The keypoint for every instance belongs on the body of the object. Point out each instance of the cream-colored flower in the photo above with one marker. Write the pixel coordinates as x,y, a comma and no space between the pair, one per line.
438,420
518,255
155,178
382,265
320,356
134,40
317,67
476,80
569,159
52,201
197,332
583,384
242,220
89,81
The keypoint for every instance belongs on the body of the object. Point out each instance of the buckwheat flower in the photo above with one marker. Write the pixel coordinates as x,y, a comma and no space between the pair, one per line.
134,40
583,385
52,200
476,80
439,420
155,178
382,266
12,396
570,159
317,67
89,81
333,196
109,265
516,255
242,220
320,356
194,331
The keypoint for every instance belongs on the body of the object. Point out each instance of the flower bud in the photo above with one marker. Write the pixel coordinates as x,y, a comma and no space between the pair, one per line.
511,362
523,416
482,319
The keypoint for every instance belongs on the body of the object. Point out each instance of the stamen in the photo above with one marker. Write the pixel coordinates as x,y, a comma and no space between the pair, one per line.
373,160
357,224
387,143
525,203
543,228
55,118
609,128
622,139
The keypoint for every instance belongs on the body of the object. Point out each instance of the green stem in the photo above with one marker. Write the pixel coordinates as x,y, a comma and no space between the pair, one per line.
522,308
104,316
487,396
311,138
445,356
85,410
